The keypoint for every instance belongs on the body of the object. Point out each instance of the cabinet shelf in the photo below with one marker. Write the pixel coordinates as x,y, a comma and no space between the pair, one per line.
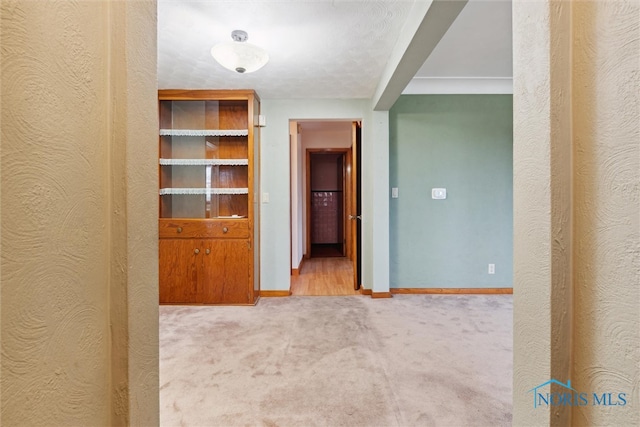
198,191
204,132
204,162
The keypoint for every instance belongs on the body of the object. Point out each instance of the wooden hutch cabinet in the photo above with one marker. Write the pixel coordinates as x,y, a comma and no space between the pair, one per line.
209,204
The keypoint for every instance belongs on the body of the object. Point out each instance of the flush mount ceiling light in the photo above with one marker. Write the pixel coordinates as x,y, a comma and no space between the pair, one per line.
238,55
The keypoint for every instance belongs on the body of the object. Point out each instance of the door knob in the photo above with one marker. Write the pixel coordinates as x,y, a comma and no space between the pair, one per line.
196,251
207,251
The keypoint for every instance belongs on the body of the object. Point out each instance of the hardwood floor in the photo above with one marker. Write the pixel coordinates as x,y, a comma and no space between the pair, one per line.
326,250
324,276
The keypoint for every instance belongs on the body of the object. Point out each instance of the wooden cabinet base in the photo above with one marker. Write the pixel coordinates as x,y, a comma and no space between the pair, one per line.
206,271
202,304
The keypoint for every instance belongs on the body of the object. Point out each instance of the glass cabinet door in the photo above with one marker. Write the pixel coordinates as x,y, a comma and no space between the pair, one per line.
204,159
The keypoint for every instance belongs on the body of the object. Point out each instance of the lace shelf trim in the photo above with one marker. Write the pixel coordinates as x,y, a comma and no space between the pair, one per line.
189,191
204,132
204,162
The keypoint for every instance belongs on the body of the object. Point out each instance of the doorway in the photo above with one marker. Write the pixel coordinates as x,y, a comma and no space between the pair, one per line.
326,215
324,207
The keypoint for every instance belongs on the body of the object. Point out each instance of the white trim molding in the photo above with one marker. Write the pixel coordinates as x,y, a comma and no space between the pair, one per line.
459,85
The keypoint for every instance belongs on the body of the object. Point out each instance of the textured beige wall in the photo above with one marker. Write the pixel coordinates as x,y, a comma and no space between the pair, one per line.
0,217
577,206
606,92
55,258
542,203
134,213
79,251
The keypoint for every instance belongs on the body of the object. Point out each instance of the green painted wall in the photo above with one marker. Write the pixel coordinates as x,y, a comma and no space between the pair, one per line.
464,144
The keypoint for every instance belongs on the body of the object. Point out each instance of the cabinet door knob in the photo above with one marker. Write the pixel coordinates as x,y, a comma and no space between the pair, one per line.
225,229
207,251
197,251
179,230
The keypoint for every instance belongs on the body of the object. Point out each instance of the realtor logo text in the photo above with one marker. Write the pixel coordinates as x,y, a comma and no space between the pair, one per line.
568,396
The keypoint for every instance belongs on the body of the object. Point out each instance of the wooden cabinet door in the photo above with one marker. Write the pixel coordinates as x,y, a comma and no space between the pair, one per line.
227,272
181,270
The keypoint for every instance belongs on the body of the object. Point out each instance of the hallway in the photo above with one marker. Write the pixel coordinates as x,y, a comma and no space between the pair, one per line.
331,276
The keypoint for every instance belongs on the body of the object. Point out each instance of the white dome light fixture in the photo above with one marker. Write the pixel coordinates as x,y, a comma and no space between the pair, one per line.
238,55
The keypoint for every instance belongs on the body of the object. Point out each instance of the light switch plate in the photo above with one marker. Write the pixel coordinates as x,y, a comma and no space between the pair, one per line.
394,192
265,197
439,193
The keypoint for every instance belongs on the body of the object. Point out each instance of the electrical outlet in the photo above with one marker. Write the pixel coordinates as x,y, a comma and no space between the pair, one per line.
492,269
265,197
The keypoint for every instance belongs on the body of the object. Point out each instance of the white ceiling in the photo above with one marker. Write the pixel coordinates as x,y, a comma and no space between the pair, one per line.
477,45
322,48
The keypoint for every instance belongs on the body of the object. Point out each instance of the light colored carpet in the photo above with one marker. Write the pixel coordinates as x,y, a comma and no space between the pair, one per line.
412,360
